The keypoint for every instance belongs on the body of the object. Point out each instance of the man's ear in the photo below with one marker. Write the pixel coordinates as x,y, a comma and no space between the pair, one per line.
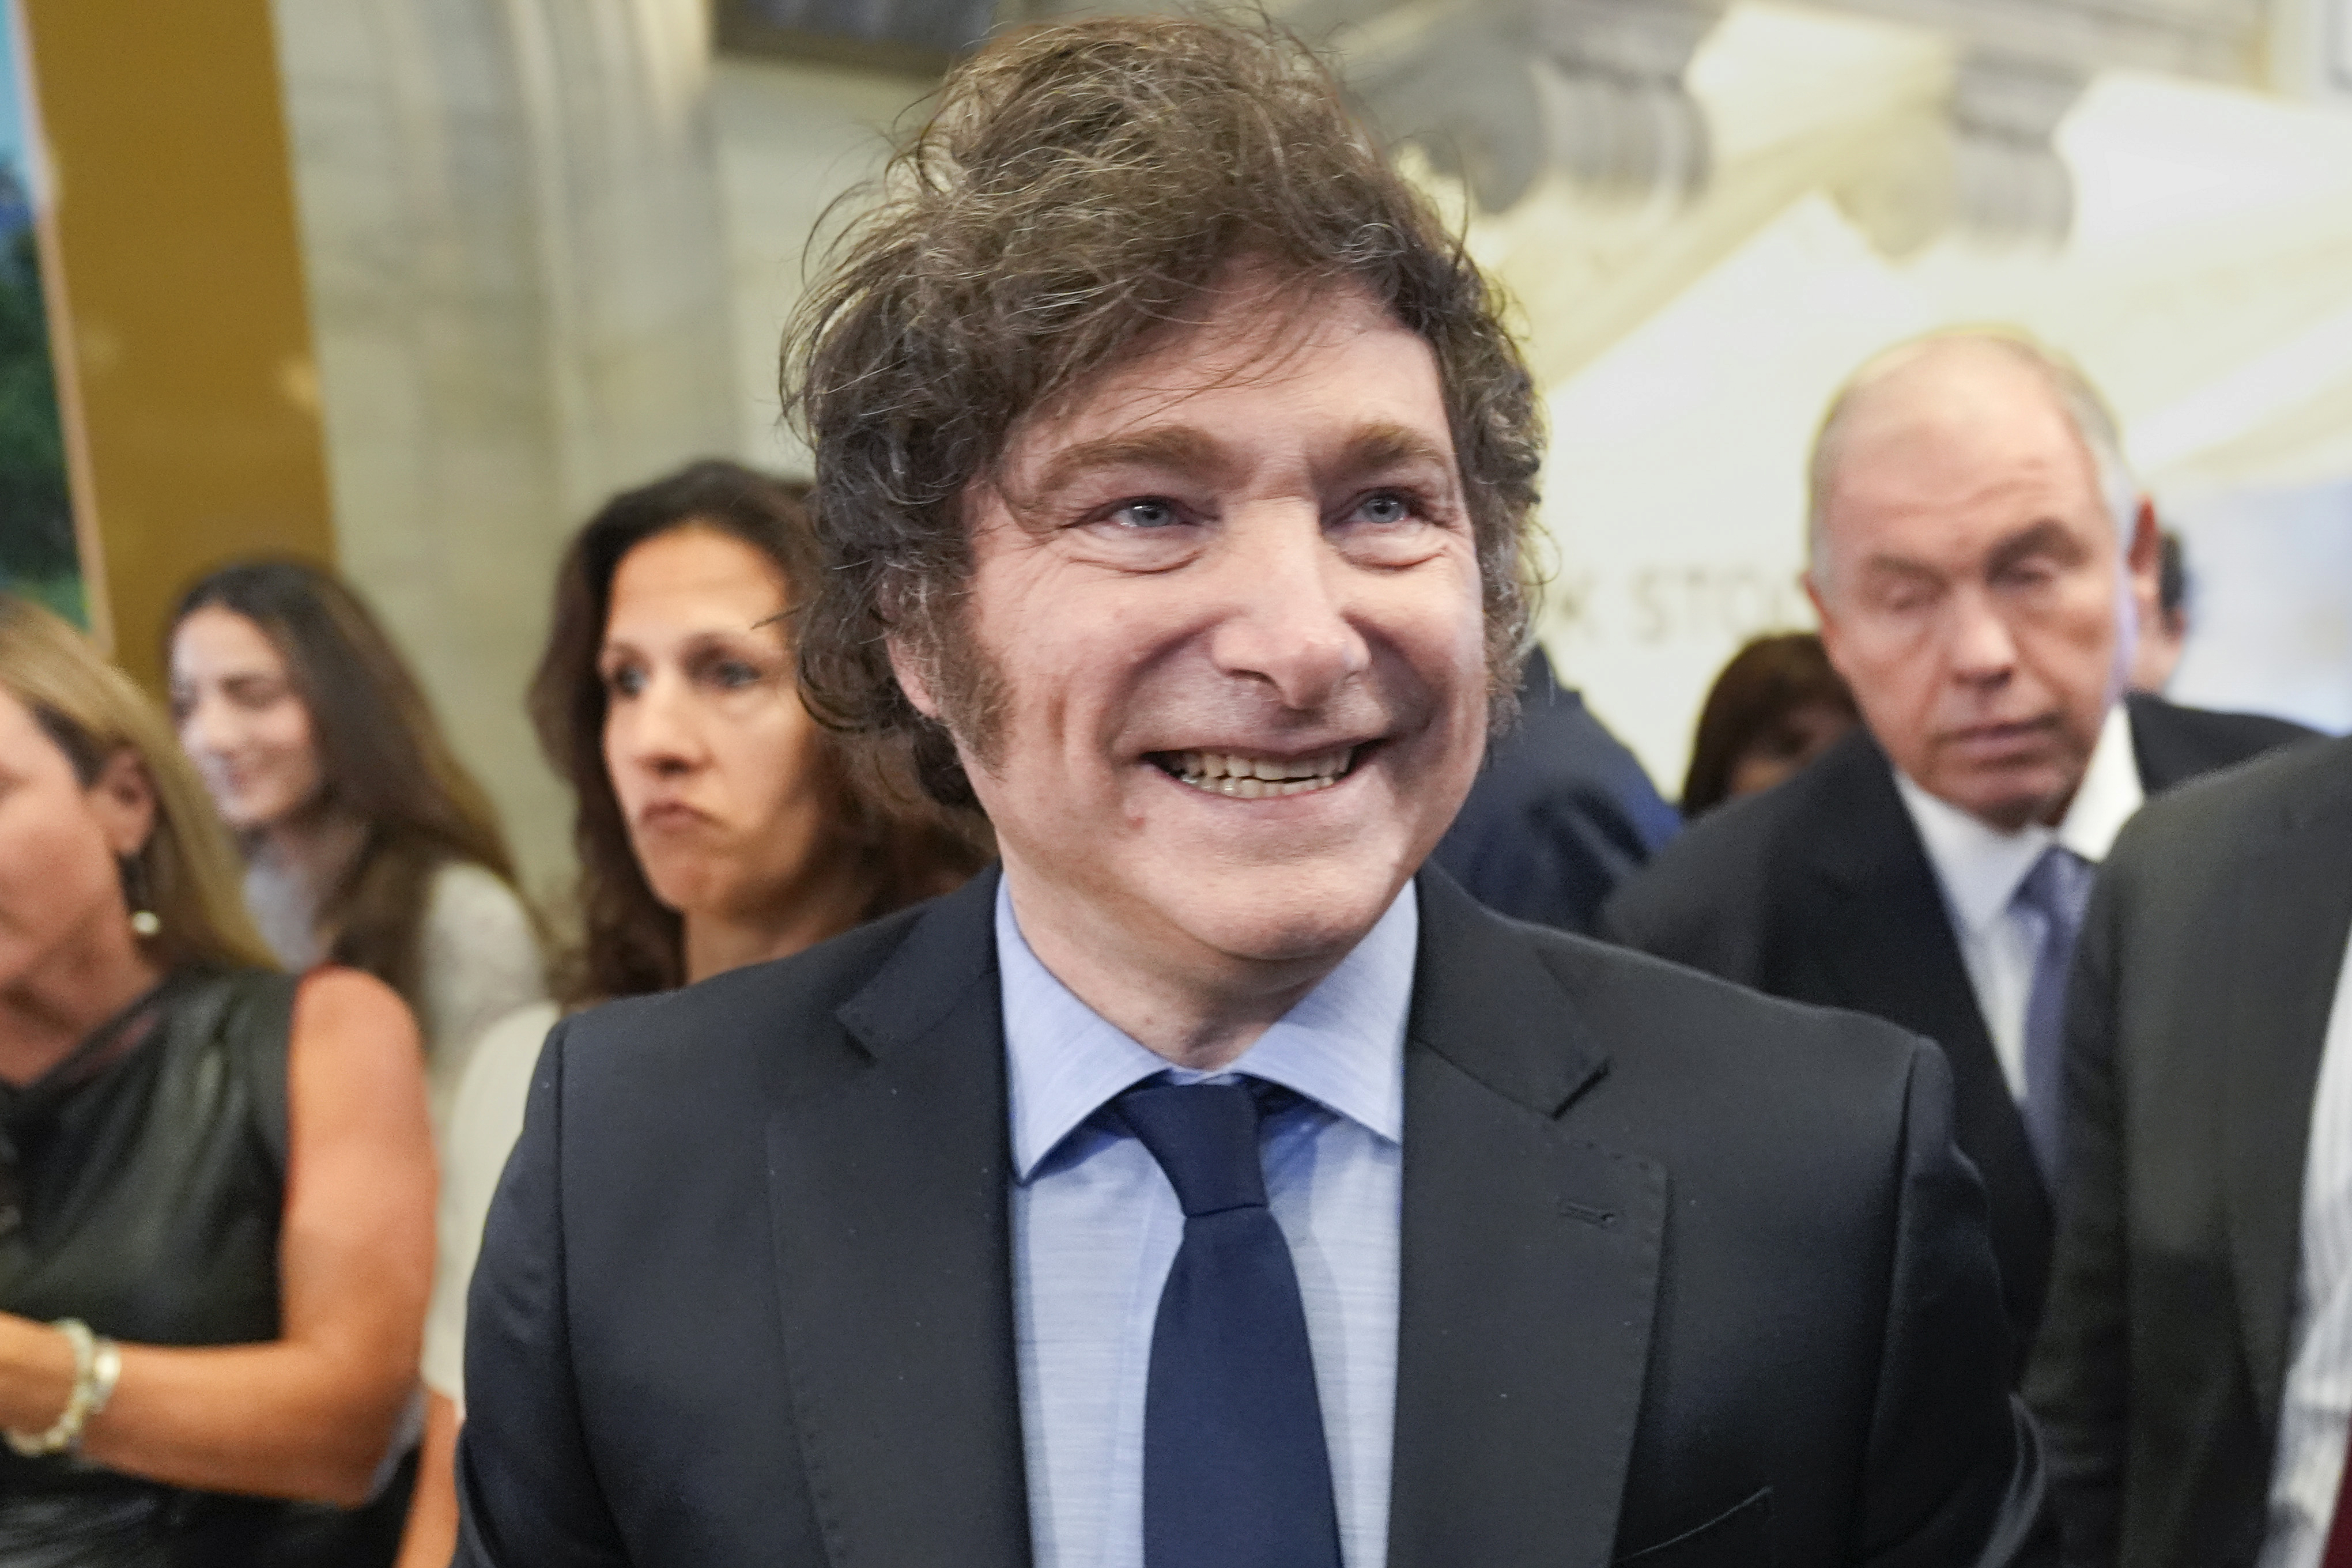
914,677
1832,637
2144,552
122,798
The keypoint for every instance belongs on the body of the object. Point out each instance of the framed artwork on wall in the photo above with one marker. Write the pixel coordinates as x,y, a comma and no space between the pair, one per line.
917,37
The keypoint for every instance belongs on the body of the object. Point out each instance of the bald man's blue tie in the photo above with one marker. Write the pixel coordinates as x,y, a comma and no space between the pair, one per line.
1235,1474
2058,889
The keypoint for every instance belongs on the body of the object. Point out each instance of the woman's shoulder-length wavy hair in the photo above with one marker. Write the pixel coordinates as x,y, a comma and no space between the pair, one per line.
383,759
630,942
1078,188
187,872
1769,679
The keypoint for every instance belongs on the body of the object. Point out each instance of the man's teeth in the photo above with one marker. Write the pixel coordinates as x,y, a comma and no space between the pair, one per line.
1251,778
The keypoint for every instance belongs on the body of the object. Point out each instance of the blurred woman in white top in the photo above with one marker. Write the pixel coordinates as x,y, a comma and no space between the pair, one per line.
366,842
718,825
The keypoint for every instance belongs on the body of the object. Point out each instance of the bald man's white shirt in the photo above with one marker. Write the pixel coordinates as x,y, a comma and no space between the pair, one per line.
1978,868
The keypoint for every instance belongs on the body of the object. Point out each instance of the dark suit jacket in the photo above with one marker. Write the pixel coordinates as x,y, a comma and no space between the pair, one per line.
2202,994
1690,1277
1821,891
1560,814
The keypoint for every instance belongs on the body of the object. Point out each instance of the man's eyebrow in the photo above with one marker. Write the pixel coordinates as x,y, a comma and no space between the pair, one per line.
1900,566
1391,446
2048,535
1170,446
1182,446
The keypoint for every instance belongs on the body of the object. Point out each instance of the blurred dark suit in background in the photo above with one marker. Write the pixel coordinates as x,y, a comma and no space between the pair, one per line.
1560,815
2194,1366
1821,891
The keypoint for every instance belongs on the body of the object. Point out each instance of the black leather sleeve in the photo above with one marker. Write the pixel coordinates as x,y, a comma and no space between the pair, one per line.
1954,1469
528,1495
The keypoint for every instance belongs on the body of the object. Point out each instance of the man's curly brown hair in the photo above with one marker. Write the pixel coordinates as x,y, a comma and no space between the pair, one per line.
1076,188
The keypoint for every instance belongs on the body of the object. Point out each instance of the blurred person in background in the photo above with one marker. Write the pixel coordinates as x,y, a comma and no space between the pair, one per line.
1560,814
1974,540
2194,1372
216,1179
2162,604
1777,705
366,842
717,825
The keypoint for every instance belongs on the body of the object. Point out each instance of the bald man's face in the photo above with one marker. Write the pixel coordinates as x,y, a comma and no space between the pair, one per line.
1970,586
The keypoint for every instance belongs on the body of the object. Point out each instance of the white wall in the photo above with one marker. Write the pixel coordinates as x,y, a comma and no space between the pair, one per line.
2269,603
791,138
2206,289
511,231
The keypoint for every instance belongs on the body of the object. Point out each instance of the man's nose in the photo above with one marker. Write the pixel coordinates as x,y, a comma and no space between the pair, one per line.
1980,644
1287,619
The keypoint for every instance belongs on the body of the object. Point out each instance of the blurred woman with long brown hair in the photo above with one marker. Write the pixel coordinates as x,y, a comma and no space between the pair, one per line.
366,842
717,824
1773,708
216,1179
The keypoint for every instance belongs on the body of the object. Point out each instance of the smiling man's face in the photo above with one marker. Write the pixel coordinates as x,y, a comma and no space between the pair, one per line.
1231,598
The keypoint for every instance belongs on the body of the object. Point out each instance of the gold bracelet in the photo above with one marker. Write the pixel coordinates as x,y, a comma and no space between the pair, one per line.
67,1431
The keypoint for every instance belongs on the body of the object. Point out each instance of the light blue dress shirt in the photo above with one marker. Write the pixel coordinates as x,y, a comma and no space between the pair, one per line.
1096,1226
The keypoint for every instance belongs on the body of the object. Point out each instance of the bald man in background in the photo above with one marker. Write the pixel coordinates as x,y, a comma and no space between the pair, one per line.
1975,544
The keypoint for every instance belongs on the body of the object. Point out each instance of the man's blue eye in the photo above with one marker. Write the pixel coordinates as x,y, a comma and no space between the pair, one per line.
1386,508
1147,514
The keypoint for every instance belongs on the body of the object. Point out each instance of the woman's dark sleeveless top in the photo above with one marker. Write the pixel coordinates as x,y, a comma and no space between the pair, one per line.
143,1197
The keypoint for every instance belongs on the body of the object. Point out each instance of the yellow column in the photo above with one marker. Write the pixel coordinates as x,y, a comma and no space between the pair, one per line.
177,286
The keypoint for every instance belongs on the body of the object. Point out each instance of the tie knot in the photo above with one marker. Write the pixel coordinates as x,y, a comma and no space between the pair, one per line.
2058,886
1204,1136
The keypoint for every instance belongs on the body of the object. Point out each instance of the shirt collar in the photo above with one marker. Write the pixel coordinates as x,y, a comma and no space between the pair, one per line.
1981,866
1342,1046
2111,792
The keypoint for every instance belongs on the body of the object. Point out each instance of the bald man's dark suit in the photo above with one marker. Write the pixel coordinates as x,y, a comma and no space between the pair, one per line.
1691,1279
1821,891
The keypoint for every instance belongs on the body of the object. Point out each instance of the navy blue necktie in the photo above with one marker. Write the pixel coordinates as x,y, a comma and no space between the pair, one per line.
2058,889
1235,1474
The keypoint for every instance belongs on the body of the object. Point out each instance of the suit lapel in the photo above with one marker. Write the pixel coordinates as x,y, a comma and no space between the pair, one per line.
1890,945
894,1255
1884,933
1530,1266
2294,912
1878,926
2171,747
2156,744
